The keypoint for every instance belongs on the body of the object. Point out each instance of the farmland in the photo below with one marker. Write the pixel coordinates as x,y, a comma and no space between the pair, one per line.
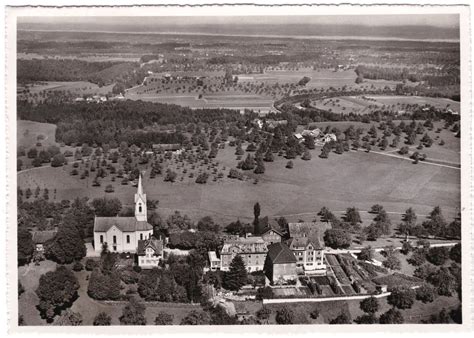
297,193
366,104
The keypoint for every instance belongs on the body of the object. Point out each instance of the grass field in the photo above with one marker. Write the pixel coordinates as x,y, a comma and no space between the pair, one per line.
78,88
357,179
366,104
29,131
320,78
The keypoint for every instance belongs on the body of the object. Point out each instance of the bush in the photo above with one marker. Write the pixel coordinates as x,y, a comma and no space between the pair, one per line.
392,316
78,266
402,298
102,319
437,255
91,264
337,238
164,318
455,253
425,293
314,314
285,316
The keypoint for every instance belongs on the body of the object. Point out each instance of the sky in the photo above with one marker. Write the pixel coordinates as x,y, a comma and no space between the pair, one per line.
436,20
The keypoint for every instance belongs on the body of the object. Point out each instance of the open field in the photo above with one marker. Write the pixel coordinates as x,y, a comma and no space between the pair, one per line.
219,100
357,179
29,131
78,88
366,104
320,78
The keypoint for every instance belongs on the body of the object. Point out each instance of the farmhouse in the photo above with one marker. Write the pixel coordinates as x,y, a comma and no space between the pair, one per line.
280,263
328,138
313,133
149,252
163,147
305,243
122,234
252,250
41,237
272,124
271,235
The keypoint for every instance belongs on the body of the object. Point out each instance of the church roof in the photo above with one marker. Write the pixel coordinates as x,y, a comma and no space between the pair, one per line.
125,224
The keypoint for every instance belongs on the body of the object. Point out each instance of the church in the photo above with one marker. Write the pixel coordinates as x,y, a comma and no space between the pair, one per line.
123,234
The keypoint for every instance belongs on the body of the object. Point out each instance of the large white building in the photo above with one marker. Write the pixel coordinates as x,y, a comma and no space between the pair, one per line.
122,234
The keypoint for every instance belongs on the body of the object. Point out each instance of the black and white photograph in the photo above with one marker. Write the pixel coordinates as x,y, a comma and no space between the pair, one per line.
232,166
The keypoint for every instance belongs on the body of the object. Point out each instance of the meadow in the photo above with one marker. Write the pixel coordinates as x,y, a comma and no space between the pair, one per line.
366,104
355,178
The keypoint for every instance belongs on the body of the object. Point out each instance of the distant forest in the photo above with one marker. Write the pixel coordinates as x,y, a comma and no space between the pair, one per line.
119,121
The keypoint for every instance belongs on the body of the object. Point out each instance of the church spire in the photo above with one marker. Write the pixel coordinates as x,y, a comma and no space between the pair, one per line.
140,188
140,202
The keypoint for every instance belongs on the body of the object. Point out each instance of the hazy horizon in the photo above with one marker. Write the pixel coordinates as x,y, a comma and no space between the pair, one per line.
429,27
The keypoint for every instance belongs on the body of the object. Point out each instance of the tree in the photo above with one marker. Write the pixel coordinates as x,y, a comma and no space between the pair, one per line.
196,317
104,286
164,318
392,316
106,207
352,216
69,318
102,319
455,253
133,313
264,313
207,224
343,318
366,319
437,255
260,168
285,315
444,281
25,246
418,257
425,293
306,155
236,277
369,305
67,246
401,297
58,160
337,239
289,165
366,254
392,262
56,290
256,216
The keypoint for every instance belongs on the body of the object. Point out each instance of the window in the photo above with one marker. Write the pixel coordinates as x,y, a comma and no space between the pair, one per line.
128,239
101,239
115,239
139,207
141,237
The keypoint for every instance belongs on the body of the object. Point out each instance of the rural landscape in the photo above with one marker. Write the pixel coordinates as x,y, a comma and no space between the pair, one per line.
181,171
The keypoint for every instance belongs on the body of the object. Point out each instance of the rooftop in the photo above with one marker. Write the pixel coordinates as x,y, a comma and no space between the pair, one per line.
125,224
279,253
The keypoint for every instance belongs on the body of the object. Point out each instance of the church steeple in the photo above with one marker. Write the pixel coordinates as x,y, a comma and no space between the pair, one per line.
140,202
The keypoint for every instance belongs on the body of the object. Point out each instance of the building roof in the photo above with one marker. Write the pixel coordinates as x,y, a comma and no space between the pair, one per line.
155,244
125,224
41,237
212,256
252,244
310,230
279,253
271,228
